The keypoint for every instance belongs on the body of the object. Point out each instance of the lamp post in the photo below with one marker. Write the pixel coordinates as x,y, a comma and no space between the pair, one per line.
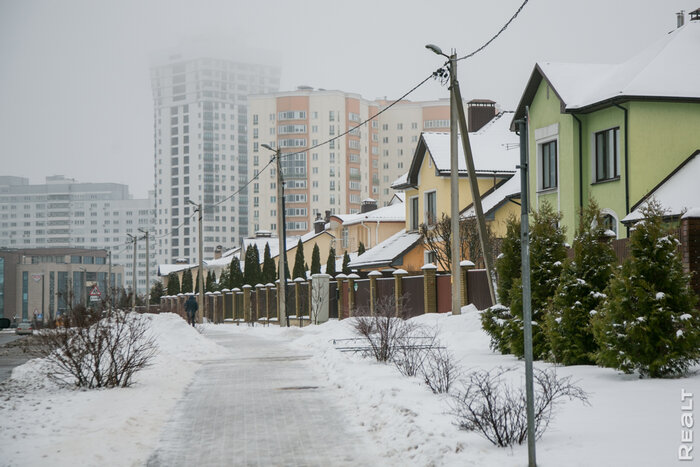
282,234
133,275
148,289
200,297
457,108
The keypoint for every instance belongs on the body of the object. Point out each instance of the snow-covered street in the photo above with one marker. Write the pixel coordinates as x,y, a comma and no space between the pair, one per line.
274,396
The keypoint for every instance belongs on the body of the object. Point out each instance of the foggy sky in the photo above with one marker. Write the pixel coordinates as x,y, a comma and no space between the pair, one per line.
75,92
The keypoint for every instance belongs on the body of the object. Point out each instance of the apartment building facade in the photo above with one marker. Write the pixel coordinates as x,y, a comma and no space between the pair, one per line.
337,176
200,94
64,213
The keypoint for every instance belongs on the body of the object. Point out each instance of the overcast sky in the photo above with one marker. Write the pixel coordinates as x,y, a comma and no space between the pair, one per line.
75,95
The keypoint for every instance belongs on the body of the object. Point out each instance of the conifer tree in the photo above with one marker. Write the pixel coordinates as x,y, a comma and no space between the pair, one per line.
196,283
346,263
361,249
268,270
330,262
648,322
209,282
173,284
251,270
235,274
580,292
157,291
496,319
187,285
547,254
316,260
299,270
224,280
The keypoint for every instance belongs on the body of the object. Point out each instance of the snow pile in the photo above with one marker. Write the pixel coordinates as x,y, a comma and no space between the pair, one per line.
43,423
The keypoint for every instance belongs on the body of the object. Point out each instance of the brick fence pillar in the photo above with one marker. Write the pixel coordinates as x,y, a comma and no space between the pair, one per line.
340,278
351,293
259,293
398,291
373,291
268,306
464,268
429,288
246,303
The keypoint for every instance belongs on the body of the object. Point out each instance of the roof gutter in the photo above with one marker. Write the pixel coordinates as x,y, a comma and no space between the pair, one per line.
627,179
580,162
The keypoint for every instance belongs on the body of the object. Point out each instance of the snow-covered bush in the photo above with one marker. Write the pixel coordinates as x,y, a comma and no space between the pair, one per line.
96,353
495,319
384,332
496,410
580,292
649,322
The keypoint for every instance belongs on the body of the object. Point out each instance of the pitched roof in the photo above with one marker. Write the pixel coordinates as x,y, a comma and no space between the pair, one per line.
676,193
492,200
385,253
666,70
393,213
492,148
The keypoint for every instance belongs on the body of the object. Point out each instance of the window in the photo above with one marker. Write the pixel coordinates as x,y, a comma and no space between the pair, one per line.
549,165
609,220
415,216
344,238
431,207
606,154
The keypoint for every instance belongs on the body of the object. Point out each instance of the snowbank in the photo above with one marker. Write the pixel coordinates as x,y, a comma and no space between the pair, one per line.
43,424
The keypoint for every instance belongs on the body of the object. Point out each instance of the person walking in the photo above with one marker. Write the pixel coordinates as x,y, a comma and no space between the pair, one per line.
191,309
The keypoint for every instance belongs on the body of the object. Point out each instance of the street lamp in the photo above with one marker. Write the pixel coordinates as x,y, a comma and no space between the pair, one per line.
148,288
133,274
282,234
200,297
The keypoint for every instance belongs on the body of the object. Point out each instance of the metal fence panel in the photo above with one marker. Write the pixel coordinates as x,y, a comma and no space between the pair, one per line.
362,296
444,293
478,289
412,299
332,299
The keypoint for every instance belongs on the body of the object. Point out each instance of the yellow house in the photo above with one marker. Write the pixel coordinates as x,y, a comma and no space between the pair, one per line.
427,188
498,205
371,226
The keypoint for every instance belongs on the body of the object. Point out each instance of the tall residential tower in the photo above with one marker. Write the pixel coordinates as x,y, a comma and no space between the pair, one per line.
200,98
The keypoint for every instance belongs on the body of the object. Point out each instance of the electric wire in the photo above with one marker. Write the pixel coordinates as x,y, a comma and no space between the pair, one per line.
505,26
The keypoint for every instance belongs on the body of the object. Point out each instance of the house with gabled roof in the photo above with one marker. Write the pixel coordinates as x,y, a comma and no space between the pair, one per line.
427,191
612,132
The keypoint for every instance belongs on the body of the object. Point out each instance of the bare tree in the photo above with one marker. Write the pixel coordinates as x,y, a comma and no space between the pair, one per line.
437,239
90,352
440,370
384,332
497,410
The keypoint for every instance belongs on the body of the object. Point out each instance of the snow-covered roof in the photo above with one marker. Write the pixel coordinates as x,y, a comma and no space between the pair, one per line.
165,269
665,70
510,189
391,213
676,193
494,149
399,197
401,181
387,251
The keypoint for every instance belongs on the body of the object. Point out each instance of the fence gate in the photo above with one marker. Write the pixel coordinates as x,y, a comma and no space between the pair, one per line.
333,299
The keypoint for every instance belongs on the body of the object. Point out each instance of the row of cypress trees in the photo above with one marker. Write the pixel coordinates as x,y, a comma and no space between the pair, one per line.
253,273
640,316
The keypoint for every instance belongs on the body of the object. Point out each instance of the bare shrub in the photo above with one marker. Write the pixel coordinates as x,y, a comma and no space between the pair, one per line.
384,332
410,357
440,370
497,410
94,353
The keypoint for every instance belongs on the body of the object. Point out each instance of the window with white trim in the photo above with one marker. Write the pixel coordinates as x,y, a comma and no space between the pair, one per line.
548,165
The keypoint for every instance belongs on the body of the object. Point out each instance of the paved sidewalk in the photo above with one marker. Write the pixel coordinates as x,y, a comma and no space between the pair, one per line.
263,407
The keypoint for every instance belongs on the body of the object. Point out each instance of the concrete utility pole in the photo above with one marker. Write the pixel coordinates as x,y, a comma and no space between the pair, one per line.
527,299
282,234
133,276
109,281
457,114
454,185
148,288
200,297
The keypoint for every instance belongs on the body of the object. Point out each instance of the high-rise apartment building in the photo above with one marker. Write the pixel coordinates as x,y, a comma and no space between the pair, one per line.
337,176
201,152
63,213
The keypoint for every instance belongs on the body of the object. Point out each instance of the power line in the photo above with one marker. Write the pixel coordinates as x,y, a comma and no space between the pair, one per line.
505,26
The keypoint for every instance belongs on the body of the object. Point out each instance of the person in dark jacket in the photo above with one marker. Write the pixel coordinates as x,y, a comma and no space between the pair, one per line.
191,309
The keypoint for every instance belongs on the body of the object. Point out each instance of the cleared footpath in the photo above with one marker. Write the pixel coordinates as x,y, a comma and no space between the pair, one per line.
265,406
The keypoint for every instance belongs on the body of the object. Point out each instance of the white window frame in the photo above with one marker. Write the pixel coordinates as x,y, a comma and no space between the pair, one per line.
426,205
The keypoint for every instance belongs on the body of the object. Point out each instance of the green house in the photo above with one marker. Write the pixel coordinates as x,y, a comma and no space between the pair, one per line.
612,132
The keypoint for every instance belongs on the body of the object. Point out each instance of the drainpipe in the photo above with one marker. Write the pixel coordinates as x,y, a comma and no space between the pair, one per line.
376,235
580,163
369,234
627,179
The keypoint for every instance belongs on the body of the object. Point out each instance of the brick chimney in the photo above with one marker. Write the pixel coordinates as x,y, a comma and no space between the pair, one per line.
368,205
218,251
479,113
319,224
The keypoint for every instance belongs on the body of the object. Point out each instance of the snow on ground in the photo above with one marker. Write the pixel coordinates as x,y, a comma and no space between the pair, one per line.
41,422
630,422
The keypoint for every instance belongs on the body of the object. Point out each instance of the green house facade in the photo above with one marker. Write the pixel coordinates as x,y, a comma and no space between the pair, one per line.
612,132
